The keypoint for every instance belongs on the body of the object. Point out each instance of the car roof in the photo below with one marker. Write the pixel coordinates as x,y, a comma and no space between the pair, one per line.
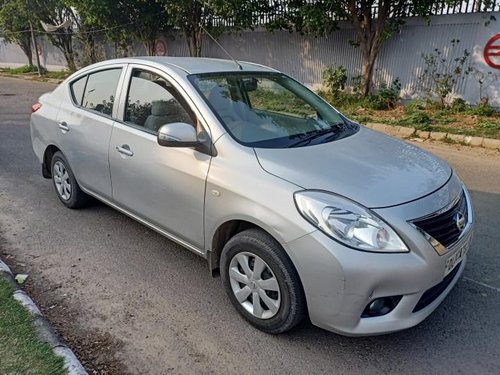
193,65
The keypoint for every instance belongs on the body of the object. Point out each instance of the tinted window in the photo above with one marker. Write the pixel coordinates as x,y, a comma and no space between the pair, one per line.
100,90
153,102
77,88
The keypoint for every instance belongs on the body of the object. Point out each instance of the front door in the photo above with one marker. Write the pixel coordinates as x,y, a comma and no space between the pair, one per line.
162,185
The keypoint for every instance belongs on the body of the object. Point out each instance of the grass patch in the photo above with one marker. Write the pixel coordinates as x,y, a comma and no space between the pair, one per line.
21,351
32,71
21,70
458,118
63,74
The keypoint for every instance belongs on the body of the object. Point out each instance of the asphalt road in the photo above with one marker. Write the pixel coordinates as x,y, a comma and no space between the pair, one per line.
160,302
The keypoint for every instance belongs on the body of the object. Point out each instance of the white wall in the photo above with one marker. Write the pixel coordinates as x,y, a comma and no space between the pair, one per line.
305,57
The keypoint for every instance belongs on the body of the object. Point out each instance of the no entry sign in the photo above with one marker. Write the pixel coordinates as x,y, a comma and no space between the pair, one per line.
491,52
160,48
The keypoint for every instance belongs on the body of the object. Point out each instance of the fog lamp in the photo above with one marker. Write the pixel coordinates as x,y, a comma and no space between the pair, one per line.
380,306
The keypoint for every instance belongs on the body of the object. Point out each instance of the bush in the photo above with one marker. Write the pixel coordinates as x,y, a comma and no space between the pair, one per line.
483,110
415,106
442,74
389,95
417,119
335,78
458,105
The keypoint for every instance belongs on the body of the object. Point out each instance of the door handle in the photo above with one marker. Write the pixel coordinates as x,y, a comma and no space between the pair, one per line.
125,150
63,126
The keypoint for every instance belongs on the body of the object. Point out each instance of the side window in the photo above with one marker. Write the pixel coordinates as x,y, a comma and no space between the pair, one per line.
152,102
100,90
77,88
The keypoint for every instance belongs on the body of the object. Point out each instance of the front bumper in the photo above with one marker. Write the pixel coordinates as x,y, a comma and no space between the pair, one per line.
340,282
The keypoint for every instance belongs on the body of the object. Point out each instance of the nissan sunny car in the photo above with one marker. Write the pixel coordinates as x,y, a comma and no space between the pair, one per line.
303,212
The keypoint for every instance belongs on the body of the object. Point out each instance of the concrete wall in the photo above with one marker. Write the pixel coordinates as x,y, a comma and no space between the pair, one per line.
305,57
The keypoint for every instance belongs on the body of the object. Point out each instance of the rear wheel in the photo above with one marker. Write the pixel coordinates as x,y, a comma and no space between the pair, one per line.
67,189
262,282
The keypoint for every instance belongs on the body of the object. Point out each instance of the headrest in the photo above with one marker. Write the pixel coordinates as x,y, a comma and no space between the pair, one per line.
159,108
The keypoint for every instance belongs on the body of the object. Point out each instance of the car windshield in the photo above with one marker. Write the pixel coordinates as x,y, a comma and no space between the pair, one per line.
270,110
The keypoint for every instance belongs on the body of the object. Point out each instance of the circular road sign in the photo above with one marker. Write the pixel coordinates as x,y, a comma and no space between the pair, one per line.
491,52
160,48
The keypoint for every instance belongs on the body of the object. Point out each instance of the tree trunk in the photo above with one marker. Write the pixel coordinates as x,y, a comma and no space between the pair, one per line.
89,48
70,61
25,44
149,46
194,32
194,43
370,34
367,65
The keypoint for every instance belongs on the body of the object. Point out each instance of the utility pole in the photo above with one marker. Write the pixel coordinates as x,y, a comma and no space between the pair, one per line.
33,38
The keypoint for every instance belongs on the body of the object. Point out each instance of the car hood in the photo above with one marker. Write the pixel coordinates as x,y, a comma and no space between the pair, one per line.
370,168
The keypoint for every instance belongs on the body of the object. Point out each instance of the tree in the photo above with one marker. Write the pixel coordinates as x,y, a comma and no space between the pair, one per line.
191,16
148,21
374,22
56,12
14,23
194,16
110,16
124,20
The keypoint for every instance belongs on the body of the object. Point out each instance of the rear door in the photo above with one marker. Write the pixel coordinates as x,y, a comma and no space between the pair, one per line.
86,122
163,185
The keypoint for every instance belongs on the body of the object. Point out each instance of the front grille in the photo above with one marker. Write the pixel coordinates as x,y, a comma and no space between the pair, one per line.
431,294
443,227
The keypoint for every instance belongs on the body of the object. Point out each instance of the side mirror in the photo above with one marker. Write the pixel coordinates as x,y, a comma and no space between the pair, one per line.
177,134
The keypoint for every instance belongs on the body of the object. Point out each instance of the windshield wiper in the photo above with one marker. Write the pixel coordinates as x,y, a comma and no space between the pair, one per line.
316,134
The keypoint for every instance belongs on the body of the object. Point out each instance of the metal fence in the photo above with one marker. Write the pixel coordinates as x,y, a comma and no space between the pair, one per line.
276,9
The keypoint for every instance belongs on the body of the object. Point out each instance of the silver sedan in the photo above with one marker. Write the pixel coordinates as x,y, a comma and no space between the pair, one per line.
302,211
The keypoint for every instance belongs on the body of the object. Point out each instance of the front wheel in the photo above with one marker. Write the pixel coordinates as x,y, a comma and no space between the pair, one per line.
262,282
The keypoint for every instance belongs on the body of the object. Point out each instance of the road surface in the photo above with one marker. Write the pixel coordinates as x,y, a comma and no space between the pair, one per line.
112,276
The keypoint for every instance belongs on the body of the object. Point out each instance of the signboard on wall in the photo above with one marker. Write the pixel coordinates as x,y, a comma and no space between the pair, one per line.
491,52
160,48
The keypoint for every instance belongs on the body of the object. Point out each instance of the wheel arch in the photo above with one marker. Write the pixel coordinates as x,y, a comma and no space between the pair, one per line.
49,152
225,231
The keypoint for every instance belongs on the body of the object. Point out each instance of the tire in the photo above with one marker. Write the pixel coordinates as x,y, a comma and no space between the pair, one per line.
276,311
65,184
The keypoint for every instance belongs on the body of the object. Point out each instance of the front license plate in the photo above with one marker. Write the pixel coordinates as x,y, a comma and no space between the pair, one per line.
457,257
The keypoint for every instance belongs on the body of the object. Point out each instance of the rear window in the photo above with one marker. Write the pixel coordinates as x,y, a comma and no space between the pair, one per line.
100,90
77,88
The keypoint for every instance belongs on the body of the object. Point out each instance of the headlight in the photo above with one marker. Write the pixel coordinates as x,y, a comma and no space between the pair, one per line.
348,222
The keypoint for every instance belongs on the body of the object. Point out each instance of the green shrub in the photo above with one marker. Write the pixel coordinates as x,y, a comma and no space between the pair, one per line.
389,95
335,78
490,128
418,118
483,109
458,105
442,116
415,106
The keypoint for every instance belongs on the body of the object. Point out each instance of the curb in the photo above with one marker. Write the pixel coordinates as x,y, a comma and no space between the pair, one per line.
407,132
45,331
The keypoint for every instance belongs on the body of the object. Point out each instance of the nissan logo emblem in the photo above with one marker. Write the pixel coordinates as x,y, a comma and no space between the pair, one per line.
460,221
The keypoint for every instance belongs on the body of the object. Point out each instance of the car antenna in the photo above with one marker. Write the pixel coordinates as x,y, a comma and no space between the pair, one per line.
222,48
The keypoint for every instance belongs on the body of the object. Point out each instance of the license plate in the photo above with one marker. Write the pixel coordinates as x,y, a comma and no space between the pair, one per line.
457,257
